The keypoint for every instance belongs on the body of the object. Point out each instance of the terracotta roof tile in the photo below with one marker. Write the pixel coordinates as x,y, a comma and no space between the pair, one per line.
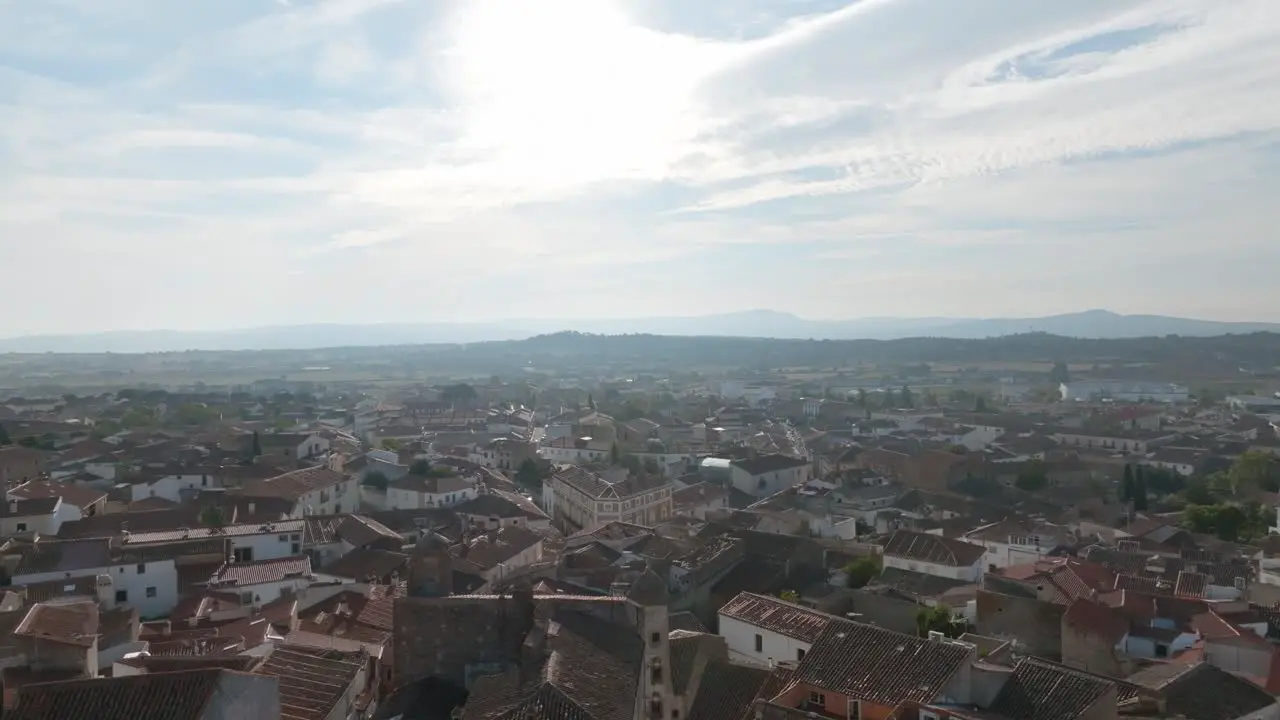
74,624
160,696
923,547
265,571
784,618
312,681
1041,690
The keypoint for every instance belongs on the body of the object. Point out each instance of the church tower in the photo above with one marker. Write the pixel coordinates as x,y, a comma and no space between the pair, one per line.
655,696
431,567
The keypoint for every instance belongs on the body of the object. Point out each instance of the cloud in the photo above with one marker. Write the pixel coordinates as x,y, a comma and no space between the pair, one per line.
432,159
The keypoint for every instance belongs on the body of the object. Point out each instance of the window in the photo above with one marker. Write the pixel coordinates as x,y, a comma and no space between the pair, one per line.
759,643
655,638
817,699
283,538
799,654
122,596
855,710
22,527
295,549
142,568
928,715
151,592
1162,651
242,555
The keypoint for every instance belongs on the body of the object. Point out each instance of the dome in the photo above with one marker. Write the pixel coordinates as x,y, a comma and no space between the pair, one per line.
648,590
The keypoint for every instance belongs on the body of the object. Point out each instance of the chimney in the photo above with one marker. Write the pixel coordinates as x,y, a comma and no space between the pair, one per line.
252,507
105,591
13,507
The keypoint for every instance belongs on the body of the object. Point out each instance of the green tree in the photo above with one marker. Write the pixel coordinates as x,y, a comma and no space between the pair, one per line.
1198,493
391,444
790,596
458,394
420,467
862,399
375,479
938,619
651,466
528,475
4,437
863,570
908,400
1256,469
1126,485
257,444
1033,478
888,400
1139,490
615,455
1059,374
213,516
980,405
591,402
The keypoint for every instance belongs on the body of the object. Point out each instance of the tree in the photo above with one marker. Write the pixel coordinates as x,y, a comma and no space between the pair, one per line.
980,405
862,571
528,475
938,619
651,466
391,444
1139,491
420,467
862,398
591,402
790,596
907,399
1198,493
1059,375
257,444
1126,485
615,455
213,516
889,401
1033,478
4,437
459,393
376,480
1256,469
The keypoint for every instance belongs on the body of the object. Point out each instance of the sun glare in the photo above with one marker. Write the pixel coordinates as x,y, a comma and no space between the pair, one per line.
570,91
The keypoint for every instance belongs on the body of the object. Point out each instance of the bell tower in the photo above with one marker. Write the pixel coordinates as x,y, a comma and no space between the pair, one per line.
648,598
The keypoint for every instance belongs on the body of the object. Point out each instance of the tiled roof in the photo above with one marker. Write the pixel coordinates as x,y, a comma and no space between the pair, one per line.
432,485
312,681
74,624
293,485
779,616
866,662
264,571
363,563
685,620
1205,692
159,696
1096,619
491,549
28,508
726,691
1041,690
77,495
359,531
769,463
923,547
1191,584
595,486
918,584
499,504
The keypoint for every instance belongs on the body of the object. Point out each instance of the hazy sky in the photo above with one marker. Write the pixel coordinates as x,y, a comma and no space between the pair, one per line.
256,162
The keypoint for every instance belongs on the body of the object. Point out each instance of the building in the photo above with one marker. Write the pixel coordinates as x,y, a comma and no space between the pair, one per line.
312,491
1124,391
769,474
763,630
934,555
414,492
20,464
203,694
584,498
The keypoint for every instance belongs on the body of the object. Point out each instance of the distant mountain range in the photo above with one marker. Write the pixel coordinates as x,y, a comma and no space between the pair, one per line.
1100,324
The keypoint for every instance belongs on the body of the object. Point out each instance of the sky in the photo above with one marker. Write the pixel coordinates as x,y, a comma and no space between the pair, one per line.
261,162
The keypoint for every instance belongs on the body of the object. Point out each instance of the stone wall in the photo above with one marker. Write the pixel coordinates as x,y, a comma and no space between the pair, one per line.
1036,625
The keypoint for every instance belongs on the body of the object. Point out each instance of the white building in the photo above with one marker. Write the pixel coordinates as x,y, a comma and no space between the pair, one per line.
1018,542
769,474
934,555
313,491
761,630
249,542
416,492
1124,391
582,498
43,516
168,486
258,583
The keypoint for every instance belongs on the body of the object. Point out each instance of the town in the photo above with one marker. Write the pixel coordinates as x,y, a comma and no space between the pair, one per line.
651,532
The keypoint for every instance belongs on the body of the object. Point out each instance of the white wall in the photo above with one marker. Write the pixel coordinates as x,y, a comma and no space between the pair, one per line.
775,482
264,593
970,573
741,639
169,487
400,499
270,547
161,575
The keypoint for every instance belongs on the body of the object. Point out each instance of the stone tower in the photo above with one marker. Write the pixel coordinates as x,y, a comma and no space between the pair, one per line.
431,567
655,696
